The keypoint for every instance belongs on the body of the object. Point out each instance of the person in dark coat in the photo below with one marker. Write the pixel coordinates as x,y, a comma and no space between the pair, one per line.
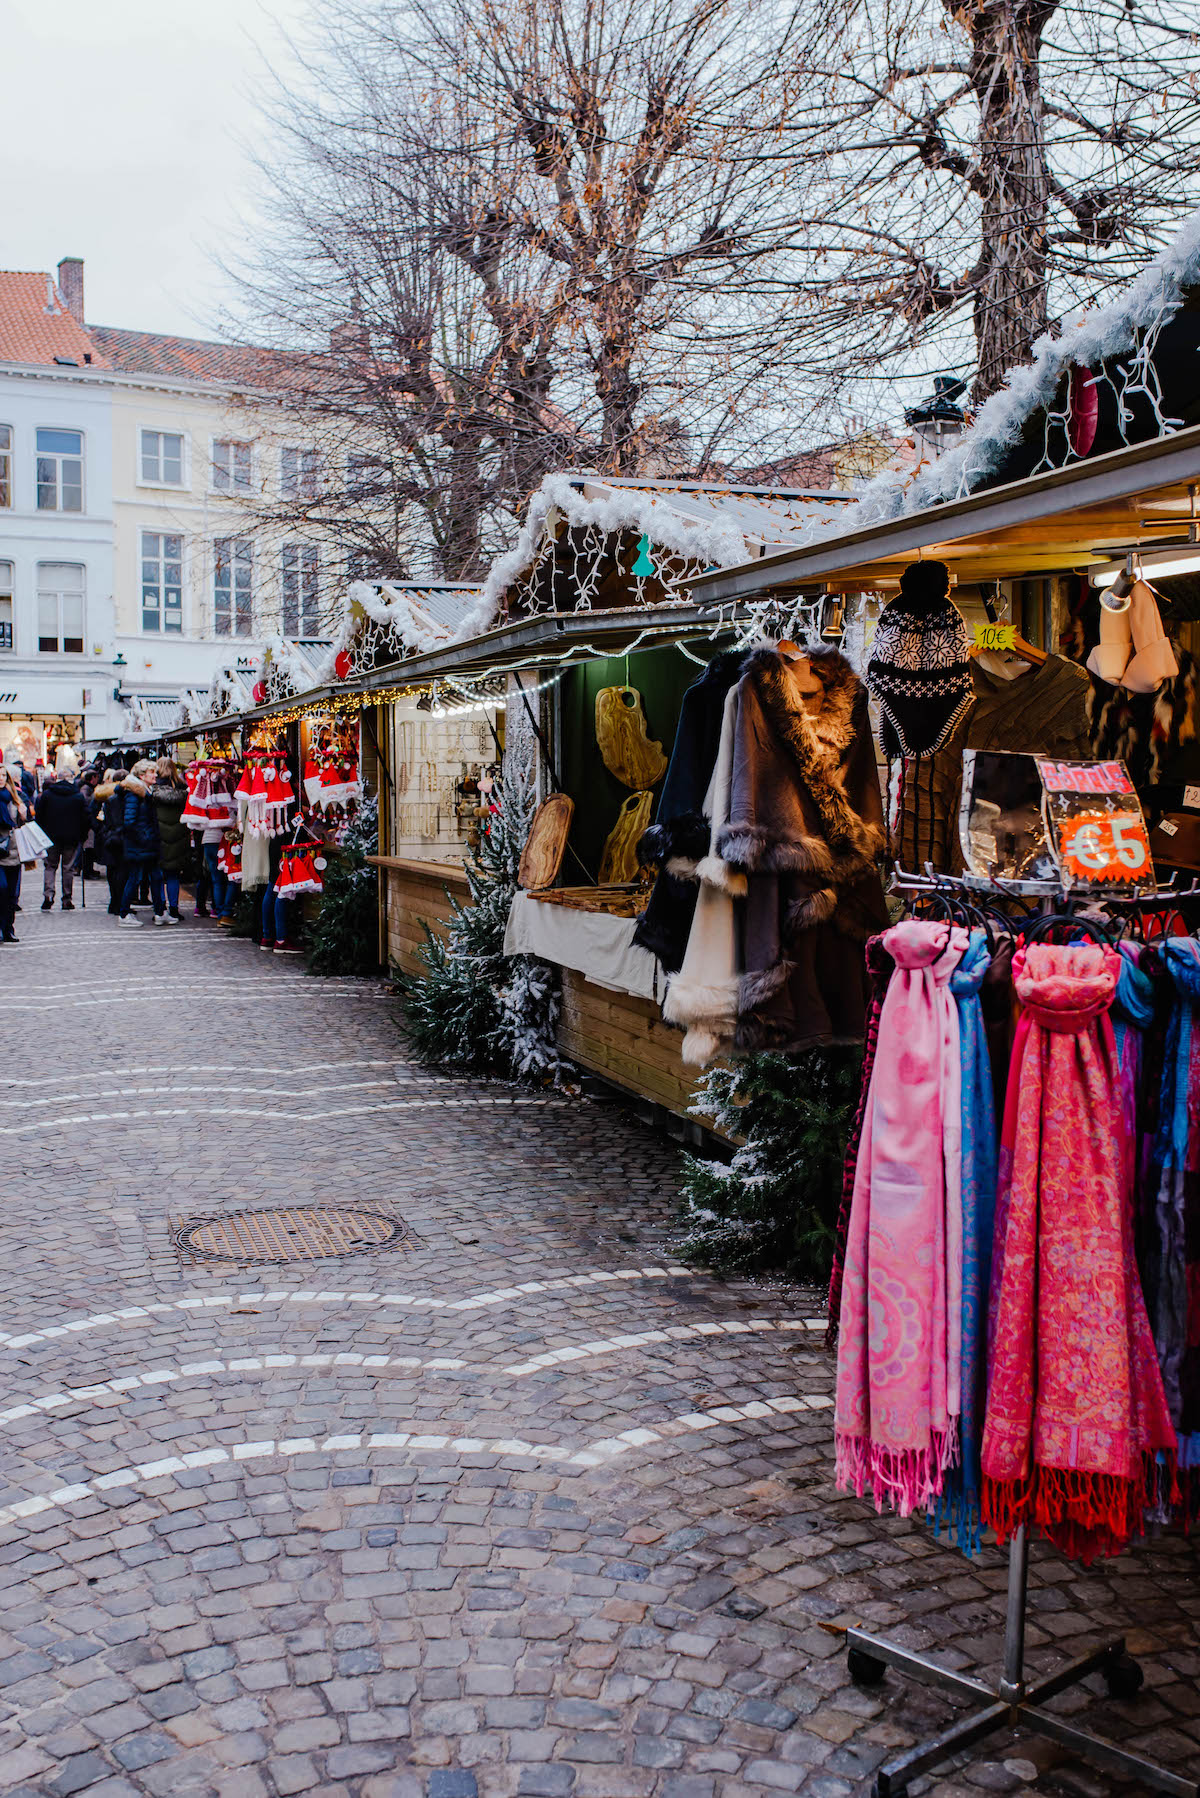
139,830
169,796
109,803
63,812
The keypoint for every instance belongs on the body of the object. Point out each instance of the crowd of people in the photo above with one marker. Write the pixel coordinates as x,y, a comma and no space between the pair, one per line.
126,824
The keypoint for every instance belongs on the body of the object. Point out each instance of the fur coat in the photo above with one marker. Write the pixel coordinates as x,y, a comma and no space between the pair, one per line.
806,828
679,836
702,999
788,890
804,797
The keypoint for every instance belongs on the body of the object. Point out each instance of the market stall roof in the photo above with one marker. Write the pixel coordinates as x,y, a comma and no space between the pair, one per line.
542,642
1054,522
549,640
605,541
384,620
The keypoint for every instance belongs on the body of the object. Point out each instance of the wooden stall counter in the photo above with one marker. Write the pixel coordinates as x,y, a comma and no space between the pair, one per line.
415,894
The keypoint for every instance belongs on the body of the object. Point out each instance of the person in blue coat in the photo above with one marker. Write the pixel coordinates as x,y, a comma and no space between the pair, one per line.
139,834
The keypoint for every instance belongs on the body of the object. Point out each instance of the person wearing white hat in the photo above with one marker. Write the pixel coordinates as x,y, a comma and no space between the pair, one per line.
64,814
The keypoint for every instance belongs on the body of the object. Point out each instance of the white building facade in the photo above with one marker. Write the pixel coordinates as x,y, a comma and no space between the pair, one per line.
137,475
57,621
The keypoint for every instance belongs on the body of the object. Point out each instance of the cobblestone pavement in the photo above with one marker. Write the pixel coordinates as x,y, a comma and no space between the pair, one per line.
521,1508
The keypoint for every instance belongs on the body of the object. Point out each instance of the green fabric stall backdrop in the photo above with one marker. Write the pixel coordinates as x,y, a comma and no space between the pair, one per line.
662,677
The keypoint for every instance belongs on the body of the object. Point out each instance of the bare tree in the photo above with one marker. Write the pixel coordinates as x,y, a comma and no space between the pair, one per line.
528,233
988,164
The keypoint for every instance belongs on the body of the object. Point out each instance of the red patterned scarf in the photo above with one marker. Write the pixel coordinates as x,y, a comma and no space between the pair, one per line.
1078,1437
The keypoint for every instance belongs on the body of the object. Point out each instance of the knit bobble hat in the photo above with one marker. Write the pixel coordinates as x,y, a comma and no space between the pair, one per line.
919,670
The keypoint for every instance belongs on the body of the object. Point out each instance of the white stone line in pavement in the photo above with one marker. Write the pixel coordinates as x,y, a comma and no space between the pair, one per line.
269,1360
235,990
585,1351
595,1455
242,1091
116,984
305,1295
44,1124
222,1067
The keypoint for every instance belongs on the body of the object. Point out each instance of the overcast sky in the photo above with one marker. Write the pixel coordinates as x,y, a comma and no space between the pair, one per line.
124,122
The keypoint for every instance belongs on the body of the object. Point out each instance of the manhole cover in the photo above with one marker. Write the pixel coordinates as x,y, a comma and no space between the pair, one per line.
308,1233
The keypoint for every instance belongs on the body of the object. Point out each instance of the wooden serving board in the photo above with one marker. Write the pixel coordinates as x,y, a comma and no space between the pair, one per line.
546,843
619,861
617,901
624,739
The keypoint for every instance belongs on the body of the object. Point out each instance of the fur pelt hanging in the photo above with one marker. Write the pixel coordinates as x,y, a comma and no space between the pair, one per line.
1145,730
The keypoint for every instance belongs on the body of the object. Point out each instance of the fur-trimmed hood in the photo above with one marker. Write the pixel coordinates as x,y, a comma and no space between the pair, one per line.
805,789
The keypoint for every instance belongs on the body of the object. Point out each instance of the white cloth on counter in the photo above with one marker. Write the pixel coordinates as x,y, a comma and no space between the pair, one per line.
593,943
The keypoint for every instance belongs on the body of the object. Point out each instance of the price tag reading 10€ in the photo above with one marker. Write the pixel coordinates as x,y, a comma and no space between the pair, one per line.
1104,846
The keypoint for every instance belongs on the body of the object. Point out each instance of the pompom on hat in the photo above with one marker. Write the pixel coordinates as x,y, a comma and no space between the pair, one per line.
919,670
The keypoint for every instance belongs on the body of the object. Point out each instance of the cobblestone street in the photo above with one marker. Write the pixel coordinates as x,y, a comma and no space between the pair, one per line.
520,1507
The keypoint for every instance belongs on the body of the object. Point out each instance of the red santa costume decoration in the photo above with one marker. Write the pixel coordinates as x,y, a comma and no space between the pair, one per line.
256,804
195,810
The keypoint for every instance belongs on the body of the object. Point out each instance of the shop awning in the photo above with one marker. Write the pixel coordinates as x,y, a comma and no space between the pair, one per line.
1055,522
551,640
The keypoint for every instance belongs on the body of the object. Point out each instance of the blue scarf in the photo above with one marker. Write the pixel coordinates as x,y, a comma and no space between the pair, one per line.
959,1505
1166,1261
1133,1007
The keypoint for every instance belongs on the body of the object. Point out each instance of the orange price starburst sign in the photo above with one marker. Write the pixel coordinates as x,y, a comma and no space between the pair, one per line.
1105,846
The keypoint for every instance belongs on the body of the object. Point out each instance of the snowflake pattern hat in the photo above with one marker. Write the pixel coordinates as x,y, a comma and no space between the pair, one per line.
919,670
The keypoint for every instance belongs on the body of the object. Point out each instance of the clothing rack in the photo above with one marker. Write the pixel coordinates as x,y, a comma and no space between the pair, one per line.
1013,1702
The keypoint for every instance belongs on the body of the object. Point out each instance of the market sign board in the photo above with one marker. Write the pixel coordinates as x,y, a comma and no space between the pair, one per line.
1028,818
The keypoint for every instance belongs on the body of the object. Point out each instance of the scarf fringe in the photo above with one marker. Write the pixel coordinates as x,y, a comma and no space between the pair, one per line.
1085,1515
906,1479
957,1512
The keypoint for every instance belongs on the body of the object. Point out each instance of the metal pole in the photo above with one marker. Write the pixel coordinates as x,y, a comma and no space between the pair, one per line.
1012,1682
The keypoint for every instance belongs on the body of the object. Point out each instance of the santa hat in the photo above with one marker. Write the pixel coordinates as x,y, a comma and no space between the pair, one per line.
195,811
256,804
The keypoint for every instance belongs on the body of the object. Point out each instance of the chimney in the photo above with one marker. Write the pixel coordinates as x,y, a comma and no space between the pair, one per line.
70,285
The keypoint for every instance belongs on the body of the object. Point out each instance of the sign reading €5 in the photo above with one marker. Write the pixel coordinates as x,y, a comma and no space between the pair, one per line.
995,636
1104,846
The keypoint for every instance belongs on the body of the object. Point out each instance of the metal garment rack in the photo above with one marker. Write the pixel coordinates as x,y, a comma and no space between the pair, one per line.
1012,1702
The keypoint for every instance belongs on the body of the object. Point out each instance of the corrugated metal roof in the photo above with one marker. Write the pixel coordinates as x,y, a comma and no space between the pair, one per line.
445,603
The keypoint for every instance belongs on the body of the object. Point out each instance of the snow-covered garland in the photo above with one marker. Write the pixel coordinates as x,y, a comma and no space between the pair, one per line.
1128,327
283,672
381,624
682,545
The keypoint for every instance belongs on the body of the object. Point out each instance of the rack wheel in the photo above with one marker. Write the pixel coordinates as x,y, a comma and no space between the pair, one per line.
864,1669
1123,1677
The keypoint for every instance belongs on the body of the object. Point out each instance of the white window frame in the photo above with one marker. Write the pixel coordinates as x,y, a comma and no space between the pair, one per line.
6,463
8,591
234,544
299,550
60,593
214,443
298,490
57,457
185,459
161,632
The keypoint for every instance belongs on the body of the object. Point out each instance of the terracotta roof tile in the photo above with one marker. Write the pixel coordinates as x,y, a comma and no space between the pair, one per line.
190,359
35,326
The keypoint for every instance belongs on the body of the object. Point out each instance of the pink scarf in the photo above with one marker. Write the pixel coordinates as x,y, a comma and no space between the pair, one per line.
1077,1436
900,1345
